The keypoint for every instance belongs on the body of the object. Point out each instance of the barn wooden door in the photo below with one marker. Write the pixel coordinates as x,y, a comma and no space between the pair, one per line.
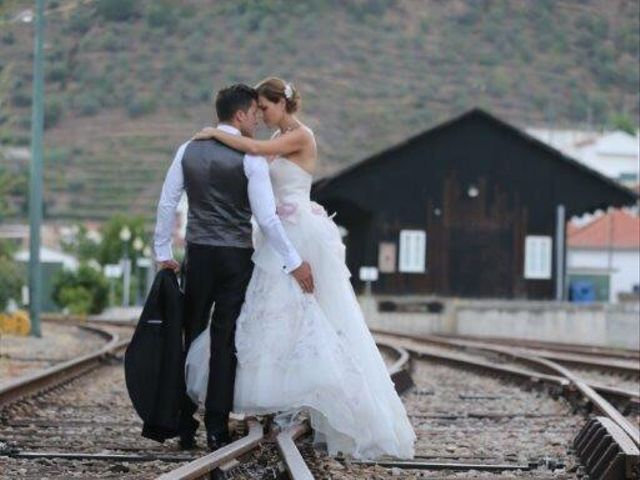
480,262
482,237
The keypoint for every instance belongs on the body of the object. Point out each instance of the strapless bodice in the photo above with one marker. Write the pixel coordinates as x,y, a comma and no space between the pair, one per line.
291,183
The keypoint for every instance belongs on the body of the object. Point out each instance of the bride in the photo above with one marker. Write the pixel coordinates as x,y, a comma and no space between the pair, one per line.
297,352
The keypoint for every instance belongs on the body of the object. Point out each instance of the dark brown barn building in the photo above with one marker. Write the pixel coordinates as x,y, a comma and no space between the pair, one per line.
472,208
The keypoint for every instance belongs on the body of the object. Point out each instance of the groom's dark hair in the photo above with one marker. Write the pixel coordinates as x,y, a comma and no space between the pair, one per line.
233,98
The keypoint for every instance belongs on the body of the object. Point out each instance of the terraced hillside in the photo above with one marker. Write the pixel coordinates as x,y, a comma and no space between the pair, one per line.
128,81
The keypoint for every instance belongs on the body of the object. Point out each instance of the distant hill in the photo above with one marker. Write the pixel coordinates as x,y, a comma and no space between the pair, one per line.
128,81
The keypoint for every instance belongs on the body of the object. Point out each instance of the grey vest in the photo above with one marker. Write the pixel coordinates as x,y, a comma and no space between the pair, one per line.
216,185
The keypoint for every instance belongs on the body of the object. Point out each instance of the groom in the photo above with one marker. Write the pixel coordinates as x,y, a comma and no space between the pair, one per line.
224,188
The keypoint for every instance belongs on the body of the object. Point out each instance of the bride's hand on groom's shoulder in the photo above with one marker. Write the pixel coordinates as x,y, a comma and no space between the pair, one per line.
205,134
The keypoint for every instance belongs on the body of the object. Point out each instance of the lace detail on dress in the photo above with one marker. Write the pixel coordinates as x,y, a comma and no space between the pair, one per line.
300,317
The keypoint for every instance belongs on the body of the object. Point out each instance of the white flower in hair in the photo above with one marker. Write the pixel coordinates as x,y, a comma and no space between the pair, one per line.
288,91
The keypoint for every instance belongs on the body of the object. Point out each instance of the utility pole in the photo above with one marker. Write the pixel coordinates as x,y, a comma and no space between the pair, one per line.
561,239
35,179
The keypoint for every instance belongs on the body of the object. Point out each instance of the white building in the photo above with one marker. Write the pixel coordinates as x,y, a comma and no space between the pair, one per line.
605,253
603,250
615,154
49,255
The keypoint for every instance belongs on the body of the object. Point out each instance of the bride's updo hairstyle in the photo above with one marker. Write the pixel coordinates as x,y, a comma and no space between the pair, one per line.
274,88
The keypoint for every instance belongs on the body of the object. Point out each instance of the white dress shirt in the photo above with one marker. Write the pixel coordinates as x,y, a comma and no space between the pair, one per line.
261,200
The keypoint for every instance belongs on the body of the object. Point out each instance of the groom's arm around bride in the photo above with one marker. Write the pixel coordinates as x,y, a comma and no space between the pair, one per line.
260,197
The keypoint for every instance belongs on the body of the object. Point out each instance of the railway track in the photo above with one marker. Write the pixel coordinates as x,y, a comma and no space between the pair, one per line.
595,351
611,377
472,438
81,422
277,452
612,439
75,420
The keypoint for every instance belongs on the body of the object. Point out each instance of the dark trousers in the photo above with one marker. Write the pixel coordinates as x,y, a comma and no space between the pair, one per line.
218,277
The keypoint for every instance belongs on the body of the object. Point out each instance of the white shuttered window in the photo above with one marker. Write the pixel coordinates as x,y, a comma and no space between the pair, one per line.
537,257
413,249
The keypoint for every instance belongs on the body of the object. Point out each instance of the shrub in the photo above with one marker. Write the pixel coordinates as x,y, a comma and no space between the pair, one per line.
87,104
21,98
116,10
111,42
80,21
84,291
77,299
624,123
82,245
52,113
112,249
162,14
8,38
58,72
140,106
12,277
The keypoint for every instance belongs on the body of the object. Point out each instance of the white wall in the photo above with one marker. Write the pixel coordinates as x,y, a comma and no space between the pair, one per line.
625,267
610,165
626,264
610,153
601,324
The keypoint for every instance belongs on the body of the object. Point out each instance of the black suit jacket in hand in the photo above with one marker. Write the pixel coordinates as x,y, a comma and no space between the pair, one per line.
154,360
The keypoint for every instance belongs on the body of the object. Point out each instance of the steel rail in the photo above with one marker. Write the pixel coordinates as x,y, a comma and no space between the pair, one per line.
585,389
616,365
595,398
452,357
454,466
116,457
203,466
632,396
400,371
592,350
293,460
45,379
294,463
605,451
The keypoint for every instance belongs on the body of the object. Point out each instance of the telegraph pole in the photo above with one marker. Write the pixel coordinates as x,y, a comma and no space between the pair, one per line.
35,179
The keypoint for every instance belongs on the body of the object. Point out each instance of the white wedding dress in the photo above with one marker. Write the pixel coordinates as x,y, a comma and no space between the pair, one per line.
313,352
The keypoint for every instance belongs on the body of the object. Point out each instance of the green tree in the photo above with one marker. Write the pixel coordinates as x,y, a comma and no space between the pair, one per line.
12,276
80,21
52,112
11,183
112,248
116,10
140,106
624,123
82,292
82,245
6,114
162,14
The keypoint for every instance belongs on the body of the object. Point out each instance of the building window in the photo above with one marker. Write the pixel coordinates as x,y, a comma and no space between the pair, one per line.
537,257
413,251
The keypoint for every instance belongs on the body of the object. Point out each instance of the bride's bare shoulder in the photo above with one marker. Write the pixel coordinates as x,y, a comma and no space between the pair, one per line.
307,134
306,129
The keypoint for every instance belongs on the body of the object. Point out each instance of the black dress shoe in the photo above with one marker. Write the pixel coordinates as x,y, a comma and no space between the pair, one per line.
187,442
218,440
